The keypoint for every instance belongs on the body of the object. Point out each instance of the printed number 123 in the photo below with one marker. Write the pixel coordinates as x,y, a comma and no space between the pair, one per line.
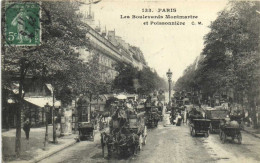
147,10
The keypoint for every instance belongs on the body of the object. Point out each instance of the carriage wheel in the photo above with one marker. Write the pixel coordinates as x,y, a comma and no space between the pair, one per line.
224,137
239,138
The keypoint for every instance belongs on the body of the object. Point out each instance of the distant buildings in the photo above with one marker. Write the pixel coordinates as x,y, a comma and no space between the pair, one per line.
110,49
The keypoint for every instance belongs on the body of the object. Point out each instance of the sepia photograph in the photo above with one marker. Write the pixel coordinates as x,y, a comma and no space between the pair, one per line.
120,81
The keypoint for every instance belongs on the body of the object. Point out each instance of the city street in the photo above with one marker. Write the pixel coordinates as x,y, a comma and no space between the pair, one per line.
104,81
169,143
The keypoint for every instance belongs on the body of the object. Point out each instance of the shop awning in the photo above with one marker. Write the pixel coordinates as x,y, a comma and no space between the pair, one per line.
108,96
49,86
42,101
121,97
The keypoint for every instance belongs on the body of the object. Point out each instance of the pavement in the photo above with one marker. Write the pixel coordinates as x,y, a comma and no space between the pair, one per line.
33,150
252,131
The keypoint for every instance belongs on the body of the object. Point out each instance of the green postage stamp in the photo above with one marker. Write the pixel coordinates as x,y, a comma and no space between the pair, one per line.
23,23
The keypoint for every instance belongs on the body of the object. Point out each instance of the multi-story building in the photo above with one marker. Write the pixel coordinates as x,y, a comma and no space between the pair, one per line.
110,49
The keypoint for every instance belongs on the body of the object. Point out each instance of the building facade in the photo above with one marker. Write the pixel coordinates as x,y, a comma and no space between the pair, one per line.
105,45
110,49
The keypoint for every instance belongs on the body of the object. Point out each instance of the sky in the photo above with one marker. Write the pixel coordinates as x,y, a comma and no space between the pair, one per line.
163,46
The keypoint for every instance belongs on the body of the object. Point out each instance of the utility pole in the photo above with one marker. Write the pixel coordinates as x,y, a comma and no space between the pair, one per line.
53,117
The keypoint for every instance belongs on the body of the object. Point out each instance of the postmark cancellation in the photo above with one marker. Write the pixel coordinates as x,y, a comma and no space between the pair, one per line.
22,23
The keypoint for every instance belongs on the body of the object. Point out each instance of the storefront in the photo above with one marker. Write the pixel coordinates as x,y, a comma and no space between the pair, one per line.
34,109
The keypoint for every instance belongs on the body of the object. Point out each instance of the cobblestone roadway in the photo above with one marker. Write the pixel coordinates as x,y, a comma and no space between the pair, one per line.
169,144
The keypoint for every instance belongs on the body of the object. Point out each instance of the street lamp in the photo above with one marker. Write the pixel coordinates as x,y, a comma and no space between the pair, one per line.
53,117
169,75
46,111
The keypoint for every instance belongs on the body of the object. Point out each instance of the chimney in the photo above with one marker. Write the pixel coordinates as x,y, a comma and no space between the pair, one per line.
111,35
104,32
97,28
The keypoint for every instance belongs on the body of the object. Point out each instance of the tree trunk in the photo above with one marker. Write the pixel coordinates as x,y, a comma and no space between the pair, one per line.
19,110
18,131
89,113
254,118
252,105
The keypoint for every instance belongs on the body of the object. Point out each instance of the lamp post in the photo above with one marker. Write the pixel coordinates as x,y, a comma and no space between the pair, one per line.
169,75
53,117
46,110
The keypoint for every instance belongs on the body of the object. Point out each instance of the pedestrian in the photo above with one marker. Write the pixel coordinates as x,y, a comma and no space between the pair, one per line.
26,128
187,116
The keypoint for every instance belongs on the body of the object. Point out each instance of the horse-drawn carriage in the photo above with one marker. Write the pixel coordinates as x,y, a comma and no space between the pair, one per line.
230,129
152,117
86,126
215,115
198,124
127,133
86,131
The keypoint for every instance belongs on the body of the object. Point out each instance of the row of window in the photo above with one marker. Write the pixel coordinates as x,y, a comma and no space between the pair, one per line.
109,75
106,61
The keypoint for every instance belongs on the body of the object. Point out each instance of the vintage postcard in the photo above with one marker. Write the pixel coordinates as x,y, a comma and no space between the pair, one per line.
130,81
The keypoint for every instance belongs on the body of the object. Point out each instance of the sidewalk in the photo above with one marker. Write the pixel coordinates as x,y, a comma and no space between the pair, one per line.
252,131
33,150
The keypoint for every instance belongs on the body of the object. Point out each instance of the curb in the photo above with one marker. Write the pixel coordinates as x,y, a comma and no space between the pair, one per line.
52,153
56,151
251,133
